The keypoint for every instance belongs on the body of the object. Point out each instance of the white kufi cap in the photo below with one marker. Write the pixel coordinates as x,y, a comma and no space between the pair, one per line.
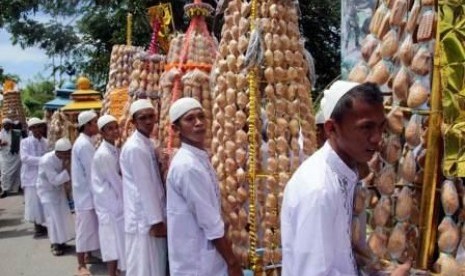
139,105
7,121
319,118
333,95
34,121
63,144
104,120
181,107
85,117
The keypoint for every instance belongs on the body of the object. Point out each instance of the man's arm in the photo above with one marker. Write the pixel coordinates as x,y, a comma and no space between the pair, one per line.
224,248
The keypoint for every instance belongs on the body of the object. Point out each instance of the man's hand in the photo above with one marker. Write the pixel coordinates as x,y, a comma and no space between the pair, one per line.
158,230
402,269
235,269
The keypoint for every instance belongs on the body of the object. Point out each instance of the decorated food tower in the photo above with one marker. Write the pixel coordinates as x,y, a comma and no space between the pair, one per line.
147,69
84,98
407,215
187,70
263,127
12,106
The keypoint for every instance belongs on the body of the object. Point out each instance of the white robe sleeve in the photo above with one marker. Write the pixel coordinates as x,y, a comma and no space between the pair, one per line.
26,156
86,155
147,182
104,179
200,195
56,178
313,243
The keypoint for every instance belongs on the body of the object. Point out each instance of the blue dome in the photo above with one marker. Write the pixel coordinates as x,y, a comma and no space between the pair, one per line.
68,85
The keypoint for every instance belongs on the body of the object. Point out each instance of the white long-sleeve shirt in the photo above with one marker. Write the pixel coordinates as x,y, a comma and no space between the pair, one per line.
107,183
81,163
194,215
316,217
51,178
143,192
31,150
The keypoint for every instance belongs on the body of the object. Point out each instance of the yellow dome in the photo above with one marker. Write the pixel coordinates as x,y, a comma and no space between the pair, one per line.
83,83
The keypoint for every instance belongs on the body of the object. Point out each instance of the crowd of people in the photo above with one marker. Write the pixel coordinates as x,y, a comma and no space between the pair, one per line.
146,226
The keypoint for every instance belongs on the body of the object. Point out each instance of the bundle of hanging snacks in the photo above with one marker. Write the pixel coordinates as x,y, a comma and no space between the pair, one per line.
263,127
12,107
144,83
397,55
121,66
59,127
187,71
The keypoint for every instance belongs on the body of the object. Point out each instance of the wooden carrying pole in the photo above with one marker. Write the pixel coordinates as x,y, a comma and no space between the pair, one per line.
428,210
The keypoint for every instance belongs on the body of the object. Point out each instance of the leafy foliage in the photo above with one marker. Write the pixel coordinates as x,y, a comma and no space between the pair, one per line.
92,27
35,95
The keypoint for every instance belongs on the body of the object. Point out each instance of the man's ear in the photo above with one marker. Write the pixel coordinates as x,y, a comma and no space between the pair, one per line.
175,128
330,127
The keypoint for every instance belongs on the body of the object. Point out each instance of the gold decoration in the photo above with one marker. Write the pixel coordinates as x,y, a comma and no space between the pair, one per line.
253,91
164,14
8,86
118,99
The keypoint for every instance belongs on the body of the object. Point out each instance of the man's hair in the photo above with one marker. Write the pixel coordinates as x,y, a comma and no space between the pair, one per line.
368,92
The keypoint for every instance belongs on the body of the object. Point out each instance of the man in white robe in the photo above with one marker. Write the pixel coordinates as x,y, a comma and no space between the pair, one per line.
144,198
197,243
317,206
107,188
54,172
87,239
10,162
32,148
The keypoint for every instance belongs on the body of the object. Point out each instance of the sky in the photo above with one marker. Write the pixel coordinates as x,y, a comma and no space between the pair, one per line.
25,63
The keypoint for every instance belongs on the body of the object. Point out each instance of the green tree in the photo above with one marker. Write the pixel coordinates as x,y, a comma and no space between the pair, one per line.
36,94
320,23
94,26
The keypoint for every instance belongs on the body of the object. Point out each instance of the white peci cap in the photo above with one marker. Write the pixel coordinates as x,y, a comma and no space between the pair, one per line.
181,107
333,95
104,120
34,121
140,105
86,116
319,118
7,121
63,144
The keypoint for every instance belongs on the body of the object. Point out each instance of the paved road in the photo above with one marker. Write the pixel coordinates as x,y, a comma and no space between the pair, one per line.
20,254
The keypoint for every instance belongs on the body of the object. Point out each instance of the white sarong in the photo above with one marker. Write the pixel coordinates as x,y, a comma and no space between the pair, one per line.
86,231
59,222
145,255
33,210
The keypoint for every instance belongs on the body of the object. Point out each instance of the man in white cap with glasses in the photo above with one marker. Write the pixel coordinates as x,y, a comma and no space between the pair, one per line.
108,194
54,172
144,197
10,162
32,149
316,214
87,239
197,239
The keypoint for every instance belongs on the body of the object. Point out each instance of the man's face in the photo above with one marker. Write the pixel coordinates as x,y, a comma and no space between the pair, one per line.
110,132
63,155
192,128
144,120
38,130
92,127
358,135
7,126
